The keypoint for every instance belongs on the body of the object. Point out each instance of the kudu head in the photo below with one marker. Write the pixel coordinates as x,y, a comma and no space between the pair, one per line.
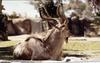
60,25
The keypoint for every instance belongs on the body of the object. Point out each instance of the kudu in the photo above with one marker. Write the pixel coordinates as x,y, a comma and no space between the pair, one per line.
44,47
38,47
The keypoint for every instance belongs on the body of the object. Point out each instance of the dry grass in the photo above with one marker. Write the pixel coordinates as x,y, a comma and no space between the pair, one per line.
7,43
82,48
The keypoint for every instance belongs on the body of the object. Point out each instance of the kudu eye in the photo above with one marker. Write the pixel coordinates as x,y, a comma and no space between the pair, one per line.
62,26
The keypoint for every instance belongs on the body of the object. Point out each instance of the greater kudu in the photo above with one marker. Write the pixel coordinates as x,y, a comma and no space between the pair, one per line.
43,47
48,46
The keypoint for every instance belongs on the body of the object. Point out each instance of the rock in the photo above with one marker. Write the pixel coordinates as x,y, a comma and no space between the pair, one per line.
71,59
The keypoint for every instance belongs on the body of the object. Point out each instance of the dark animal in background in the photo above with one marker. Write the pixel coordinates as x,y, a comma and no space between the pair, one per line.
3,27
76,26
19,27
